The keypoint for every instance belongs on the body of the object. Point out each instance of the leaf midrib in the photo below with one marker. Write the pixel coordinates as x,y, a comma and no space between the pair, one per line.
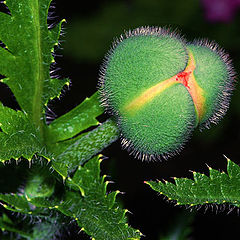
210,199
37,98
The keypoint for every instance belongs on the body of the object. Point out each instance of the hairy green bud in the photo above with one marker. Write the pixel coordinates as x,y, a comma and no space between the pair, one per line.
160,88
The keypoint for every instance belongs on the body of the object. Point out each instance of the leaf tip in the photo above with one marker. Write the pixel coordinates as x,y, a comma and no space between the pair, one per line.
228,160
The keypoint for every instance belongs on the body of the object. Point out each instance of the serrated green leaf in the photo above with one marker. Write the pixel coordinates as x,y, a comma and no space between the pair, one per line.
97,220
25,63
54,87
218,188
233,170
96,211
27,59
78,119
74,152
83,179
19,203
16,203
85,200
42,202
19,138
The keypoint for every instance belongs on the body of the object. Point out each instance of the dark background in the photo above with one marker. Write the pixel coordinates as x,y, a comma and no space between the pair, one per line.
87,36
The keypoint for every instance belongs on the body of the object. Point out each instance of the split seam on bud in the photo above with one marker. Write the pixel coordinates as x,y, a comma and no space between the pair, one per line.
186,78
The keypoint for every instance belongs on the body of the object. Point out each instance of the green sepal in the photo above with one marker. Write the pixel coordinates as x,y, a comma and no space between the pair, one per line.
214,77
160,131
138,62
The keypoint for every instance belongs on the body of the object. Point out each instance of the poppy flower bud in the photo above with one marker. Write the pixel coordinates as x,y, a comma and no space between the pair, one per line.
160,88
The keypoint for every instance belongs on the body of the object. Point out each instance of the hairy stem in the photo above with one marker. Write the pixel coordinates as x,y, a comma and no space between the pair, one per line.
98,139
78,150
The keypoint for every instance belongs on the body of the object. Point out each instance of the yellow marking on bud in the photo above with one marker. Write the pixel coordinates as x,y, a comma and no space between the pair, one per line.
149,94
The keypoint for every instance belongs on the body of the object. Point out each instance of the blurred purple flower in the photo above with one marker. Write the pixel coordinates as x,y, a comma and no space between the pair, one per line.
220,10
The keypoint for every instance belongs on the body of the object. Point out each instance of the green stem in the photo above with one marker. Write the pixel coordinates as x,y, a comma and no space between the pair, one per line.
78,150
98,139
70,149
